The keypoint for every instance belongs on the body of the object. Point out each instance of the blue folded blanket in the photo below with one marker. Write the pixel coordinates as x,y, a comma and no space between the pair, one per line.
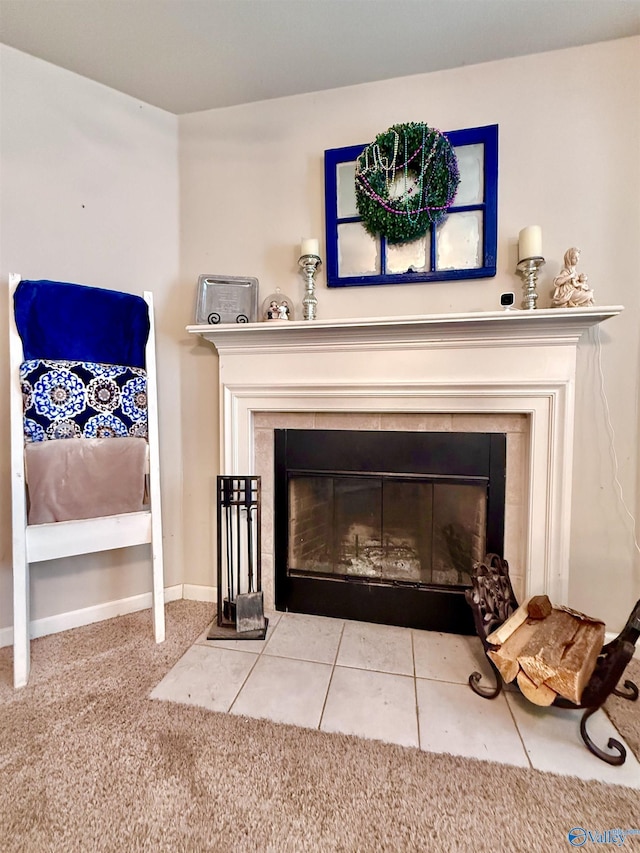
57,320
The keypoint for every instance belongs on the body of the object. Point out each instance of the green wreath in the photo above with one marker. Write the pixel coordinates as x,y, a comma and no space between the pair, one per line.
406,181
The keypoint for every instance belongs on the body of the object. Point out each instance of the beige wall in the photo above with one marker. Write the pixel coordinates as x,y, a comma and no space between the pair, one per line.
232,191
90,195
251,184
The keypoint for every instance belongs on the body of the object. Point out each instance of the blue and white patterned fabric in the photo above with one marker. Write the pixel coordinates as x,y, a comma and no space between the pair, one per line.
80,399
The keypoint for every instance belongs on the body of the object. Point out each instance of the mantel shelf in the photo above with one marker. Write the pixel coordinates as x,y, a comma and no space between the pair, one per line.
515,327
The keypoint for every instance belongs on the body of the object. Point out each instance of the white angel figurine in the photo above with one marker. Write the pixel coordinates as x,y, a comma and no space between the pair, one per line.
570,287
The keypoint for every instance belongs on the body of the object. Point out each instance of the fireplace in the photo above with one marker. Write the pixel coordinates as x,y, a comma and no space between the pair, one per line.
384,526
383,372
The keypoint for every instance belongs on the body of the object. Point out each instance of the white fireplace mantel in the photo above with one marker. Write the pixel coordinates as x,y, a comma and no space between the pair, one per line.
553,325
495,362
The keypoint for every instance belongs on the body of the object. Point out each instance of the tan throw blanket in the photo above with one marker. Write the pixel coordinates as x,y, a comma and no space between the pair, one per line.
85,478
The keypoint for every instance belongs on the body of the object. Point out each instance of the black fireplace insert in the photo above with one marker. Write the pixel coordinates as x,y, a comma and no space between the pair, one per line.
385,526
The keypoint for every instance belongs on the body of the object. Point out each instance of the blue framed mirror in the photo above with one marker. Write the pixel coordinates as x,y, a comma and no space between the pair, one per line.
462,246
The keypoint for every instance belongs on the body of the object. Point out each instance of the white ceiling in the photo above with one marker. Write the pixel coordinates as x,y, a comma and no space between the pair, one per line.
190,55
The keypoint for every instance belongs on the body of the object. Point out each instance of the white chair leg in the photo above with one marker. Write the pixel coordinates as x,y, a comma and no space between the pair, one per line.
154,480
158,582
21,628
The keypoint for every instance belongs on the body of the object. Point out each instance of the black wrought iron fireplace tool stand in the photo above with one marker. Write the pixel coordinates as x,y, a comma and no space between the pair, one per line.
240,605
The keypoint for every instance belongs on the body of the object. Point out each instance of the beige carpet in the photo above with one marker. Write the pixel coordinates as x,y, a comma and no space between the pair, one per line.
89,763
625,715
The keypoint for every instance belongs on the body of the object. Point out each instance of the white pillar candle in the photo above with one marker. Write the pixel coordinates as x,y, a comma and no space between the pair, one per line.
530,242
309,246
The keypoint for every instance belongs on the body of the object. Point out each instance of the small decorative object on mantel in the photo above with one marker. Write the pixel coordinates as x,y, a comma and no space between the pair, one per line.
406,180
529,262
226,299
277,306
309,263
570,287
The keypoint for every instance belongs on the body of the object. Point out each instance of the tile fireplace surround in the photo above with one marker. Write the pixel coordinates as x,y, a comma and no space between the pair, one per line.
510,371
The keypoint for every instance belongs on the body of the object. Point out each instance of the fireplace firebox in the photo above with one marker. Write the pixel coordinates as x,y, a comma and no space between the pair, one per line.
385,526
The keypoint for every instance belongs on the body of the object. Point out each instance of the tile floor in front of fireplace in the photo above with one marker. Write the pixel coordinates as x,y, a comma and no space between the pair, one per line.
398,685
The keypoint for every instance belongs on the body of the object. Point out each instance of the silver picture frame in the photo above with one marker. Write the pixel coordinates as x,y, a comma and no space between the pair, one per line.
226,299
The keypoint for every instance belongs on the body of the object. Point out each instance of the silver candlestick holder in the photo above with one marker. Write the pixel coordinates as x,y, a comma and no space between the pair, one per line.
309,265
527,269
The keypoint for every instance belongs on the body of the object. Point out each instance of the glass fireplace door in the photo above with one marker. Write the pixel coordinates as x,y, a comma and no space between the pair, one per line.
386,529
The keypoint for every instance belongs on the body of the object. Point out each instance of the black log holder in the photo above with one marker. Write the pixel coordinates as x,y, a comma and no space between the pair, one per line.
492,601
240,607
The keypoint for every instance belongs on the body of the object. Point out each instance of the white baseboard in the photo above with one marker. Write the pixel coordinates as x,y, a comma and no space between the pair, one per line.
194,592
88,615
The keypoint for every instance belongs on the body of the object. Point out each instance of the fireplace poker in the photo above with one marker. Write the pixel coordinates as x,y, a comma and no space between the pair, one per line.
250,547
229,530
238,542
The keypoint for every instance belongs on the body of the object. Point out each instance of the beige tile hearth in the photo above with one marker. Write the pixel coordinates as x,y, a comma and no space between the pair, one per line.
448,657
383,648
453,719
303,637
551,738
377,705
393,684
209,677
286,691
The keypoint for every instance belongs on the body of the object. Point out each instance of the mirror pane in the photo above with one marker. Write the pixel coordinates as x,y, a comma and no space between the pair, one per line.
471,166
459,241
346,179
358,252
410,257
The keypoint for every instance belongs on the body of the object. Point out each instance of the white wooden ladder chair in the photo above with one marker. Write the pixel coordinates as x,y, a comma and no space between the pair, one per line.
33,543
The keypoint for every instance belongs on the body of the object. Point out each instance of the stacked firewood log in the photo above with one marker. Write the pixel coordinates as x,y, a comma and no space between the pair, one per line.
549,651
